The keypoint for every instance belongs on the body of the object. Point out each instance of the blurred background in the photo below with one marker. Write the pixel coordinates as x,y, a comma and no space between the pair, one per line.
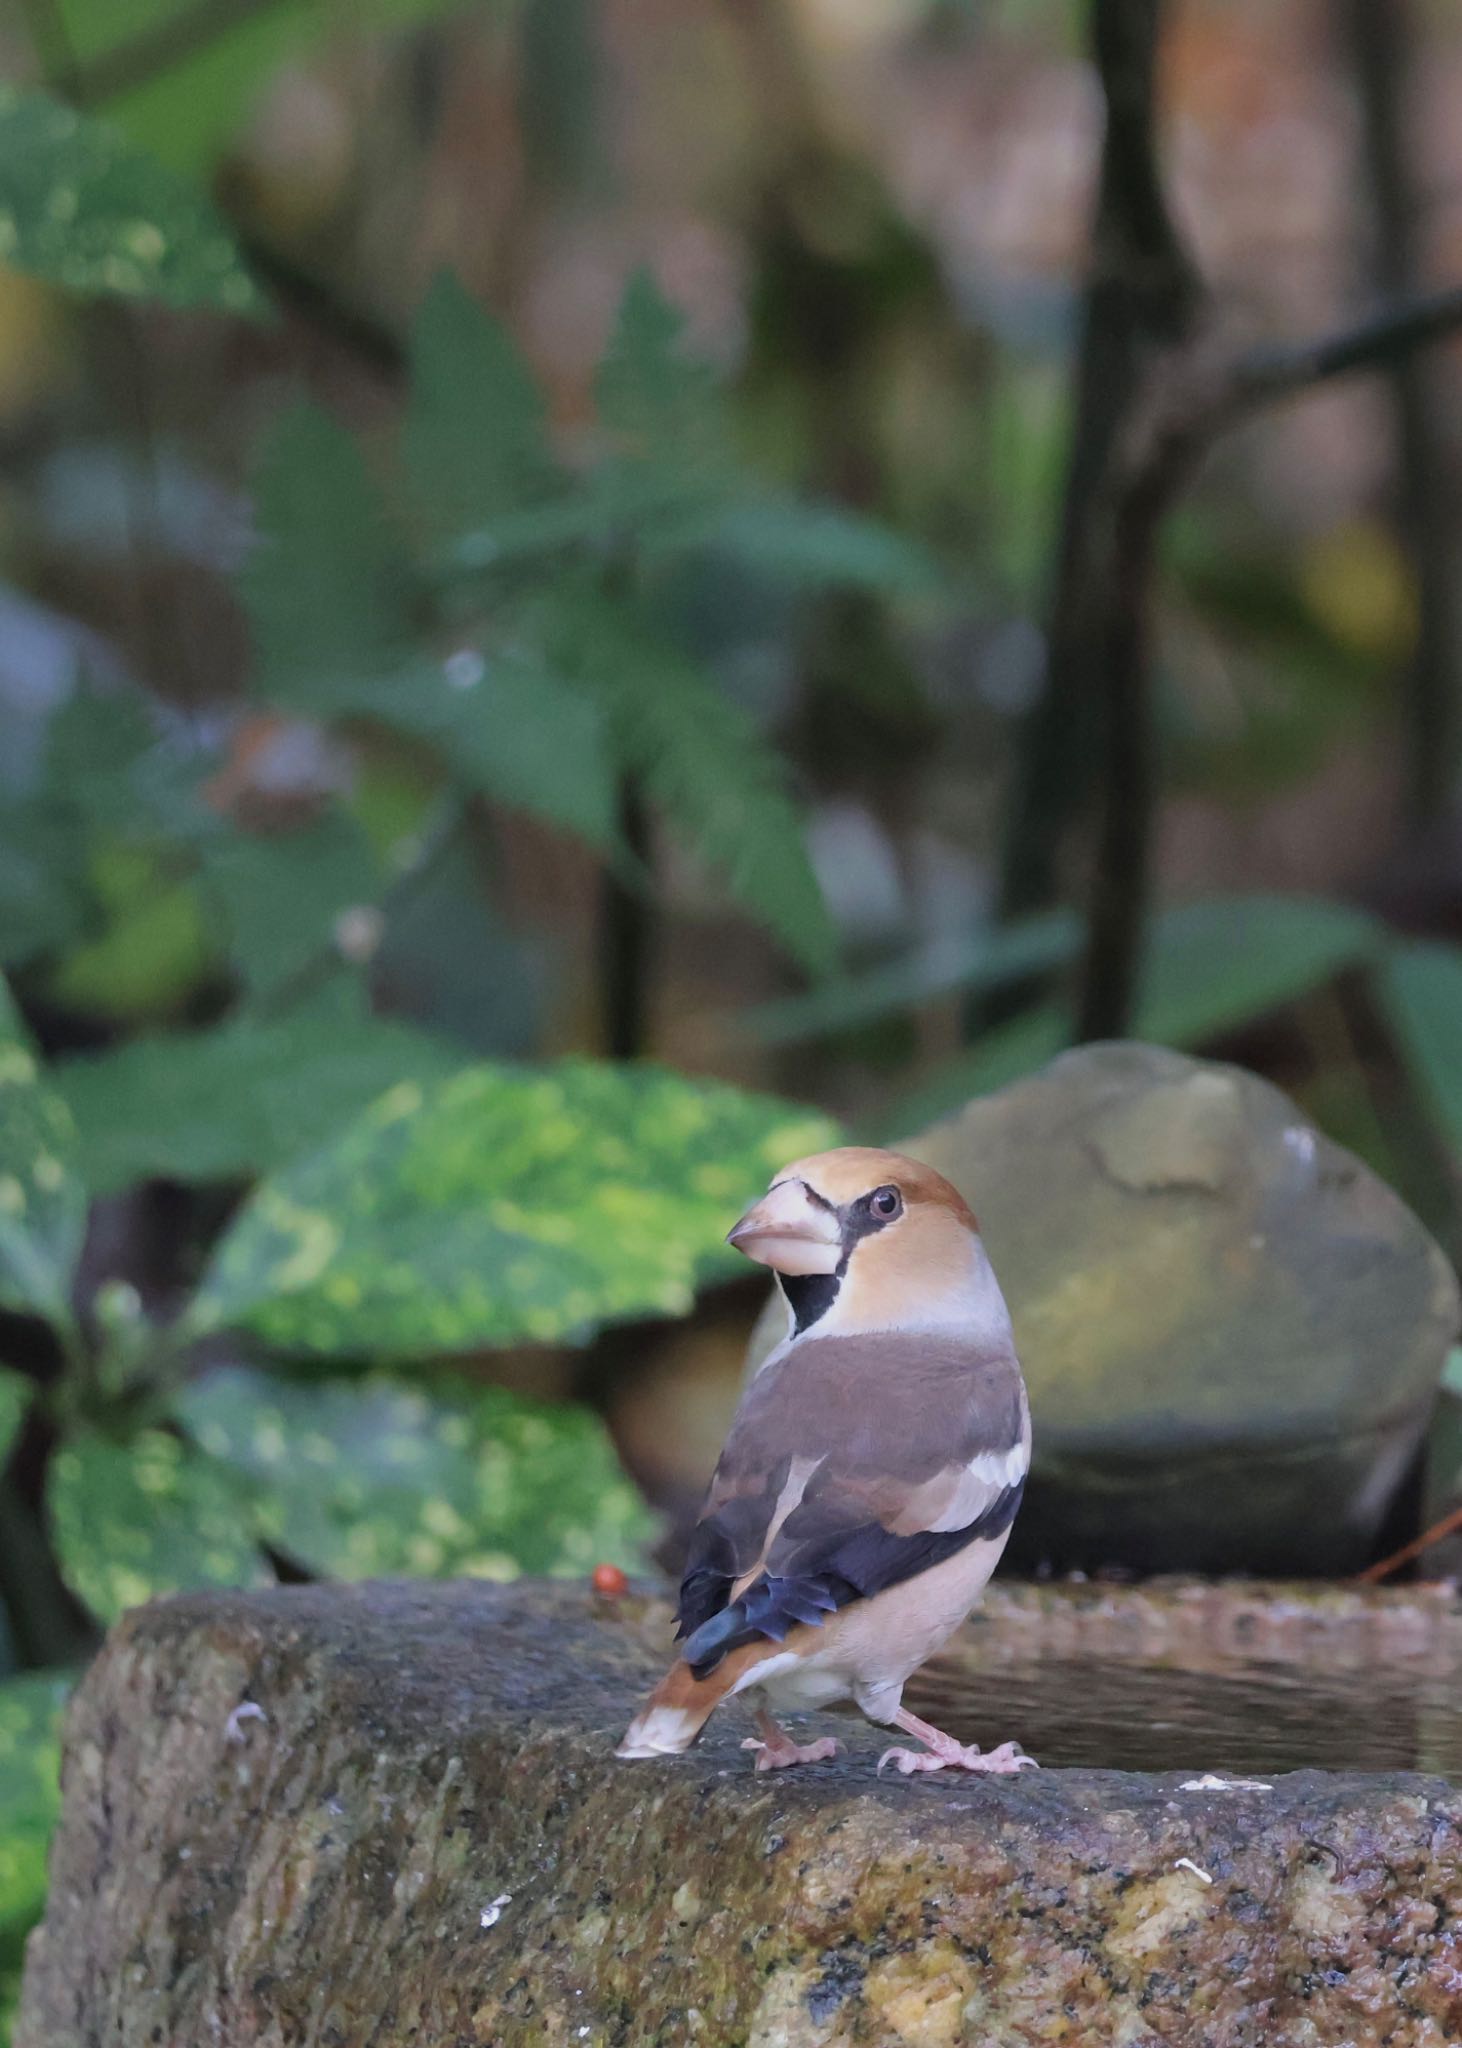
767,537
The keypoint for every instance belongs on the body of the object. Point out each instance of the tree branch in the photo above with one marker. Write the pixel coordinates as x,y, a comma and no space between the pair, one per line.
1380,34
1141,298
1264,375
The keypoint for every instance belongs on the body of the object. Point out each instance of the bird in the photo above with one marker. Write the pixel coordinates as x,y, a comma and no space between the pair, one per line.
871,1475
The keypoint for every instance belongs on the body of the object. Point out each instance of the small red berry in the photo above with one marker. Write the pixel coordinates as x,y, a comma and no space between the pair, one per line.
609,1580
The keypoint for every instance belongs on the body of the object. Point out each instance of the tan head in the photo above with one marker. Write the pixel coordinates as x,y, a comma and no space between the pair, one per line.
863,1239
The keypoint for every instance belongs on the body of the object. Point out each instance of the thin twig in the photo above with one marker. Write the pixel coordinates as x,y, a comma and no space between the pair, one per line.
1264,375
1375,1573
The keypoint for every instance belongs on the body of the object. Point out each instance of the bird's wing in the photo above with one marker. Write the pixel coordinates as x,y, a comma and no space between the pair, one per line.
853,1464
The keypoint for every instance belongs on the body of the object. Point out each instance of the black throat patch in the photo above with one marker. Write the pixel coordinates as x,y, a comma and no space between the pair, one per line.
809,1295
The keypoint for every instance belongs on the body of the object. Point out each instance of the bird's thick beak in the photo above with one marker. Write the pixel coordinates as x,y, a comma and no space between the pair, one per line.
790,1232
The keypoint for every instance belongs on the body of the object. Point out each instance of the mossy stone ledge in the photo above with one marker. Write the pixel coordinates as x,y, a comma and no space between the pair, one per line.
388,1814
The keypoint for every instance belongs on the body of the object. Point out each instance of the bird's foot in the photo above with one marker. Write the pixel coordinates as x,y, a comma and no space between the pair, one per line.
780,1756
1006,1761
945,1754
776,1751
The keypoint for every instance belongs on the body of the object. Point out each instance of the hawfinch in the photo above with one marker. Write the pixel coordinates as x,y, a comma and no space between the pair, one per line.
872,1472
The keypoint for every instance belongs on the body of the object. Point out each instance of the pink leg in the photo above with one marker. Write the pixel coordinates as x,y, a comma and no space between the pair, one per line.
776,1750
944,1753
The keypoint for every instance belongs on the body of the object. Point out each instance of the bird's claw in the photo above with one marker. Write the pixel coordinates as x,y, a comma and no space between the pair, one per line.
780,1756
1008,1761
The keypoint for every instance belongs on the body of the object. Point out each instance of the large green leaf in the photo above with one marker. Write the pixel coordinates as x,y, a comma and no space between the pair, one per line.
702,763
502,1205
1209,967
1006,1054
283,897
508,726
361,1479
330,595
243,1098
474,439
153,1515
42,1202
1421,987
801,545
83,207
327,589
43,905
30,1801
1218,963
989,958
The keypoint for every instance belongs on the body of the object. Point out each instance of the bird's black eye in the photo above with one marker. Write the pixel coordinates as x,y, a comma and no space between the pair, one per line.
885,1203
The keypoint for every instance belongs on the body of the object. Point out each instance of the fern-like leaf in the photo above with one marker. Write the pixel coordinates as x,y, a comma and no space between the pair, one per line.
702,763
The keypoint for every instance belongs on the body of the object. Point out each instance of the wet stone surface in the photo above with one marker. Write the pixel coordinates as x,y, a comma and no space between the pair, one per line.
422,1837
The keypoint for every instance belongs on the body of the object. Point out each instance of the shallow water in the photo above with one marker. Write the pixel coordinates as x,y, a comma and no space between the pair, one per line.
1255,1721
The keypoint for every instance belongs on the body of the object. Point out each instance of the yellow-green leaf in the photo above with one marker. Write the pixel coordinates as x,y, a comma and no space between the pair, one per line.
30,1799
363,1479
42,1203
502,1205
154,1515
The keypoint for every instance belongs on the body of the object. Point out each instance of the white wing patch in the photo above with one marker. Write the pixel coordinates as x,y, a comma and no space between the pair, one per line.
985,1478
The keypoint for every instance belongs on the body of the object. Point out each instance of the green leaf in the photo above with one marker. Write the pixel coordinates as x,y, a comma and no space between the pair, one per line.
84,208
1452,1371
42,1203
15,1398
151,951
802,545
42,901
659,404
154,1515
509,727
241,1099
190,108
1421,988
474,439
702,763
1003,1055
990,958
31,1711
330,597
1216,964
363,1479
327,588
500,1206
283,896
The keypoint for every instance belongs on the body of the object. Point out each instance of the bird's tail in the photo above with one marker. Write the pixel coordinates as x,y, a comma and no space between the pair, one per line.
681,1704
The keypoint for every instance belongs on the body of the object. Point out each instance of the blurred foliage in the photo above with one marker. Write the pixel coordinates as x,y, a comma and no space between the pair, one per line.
1421,989
186,109
42,1207
230,1103
555,678
82,207
30,1721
